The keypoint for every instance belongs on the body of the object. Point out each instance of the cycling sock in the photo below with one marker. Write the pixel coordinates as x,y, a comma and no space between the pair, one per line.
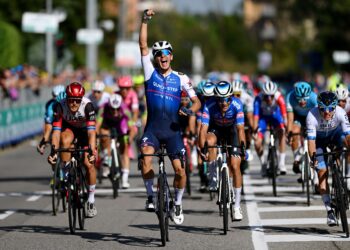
149,186
125,175
212,170
178,195
238,197
298,153
327,201
92,193
282,161
262,157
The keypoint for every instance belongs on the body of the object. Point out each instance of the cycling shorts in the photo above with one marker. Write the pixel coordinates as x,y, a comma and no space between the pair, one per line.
228,134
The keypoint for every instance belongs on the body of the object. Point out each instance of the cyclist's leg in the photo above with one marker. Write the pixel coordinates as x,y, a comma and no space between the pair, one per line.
278,123
105,149
296,146
124,145
258,144
66,140
211,138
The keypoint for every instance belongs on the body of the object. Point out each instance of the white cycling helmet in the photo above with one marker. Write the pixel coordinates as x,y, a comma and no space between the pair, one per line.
342,93
208,88
57,90
269,88
237,86
223,89
98,86
115,101
161,45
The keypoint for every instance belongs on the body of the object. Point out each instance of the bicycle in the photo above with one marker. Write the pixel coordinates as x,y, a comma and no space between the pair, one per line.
272,161
224,187
339,195
164,198
188,163
115,168
76,186
58,189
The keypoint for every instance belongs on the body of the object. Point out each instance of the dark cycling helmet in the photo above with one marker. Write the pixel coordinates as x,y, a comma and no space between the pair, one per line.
302,90
75,90
223,89
160,45
327,99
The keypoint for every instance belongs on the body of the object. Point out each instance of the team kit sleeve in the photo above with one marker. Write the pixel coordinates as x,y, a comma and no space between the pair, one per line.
344,122
205,115
240,113
311,124
187,85
249,103
282,105
288,102
57,117
147,65
257,104
90,117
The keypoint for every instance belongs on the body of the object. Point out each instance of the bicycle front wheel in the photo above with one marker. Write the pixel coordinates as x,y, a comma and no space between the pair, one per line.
224,199
82,197
114,176
341,196
56,189
307,177
72,210
272,159
161,209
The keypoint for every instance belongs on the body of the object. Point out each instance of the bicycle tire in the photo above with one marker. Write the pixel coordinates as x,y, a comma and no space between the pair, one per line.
113,177
72,210
82,194
273,169
307,178
188,176
161,208
340,200
55,188
224,199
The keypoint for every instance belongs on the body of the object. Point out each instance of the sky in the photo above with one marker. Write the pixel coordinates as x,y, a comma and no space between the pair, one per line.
226,7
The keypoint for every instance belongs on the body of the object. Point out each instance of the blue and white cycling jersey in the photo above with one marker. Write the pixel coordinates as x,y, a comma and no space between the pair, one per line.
163,94
317,127
49,111
293,104
232,117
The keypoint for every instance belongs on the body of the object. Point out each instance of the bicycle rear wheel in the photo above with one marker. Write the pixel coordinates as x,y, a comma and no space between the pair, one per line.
114,176
307,177
341,196
56,189
161,209
224,199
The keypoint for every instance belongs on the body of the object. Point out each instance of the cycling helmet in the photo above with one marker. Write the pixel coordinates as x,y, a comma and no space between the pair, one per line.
57,90
199,87
342,93
269,88
208,89
160,45
223,89
302,90
138,80
327,99
98,86
115,101
75,90
237,86
125,82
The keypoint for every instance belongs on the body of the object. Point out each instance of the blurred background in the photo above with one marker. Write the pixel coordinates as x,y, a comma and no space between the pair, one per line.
49,42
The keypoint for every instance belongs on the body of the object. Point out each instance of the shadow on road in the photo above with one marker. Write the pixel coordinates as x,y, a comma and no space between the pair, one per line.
29,211
289,230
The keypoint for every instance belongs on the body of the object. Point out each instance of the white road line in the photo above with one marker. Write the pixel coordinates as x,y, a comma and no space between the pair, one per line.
34,198
295,221
299,237
254,220
286,209
274,199
6,214
268,189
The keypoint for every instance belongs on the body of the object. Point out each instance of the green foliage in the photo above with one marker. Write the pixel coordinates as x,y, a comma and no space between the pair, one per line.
10,45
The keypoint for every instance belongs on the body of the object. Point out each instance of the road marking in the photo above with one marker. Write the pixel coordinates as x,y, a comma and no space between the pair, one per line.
6,214
286,209
295,221
266,189
299,237
273,199
34,198
258,236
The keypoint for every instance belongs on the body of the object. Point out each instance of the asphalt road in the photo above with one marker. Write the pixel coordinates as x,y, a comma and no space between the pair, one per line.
282,222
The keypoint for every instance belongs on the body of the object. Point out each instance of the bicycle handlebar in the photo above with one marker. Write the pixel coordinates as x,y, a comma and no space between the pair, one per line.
71,150
187,111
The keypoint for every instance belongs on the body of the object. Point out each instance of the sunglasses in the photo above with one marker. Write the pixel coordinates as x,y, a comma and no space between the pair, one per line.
302,99
238,95
341,100
329,109
268,96
98,92
224,99
74,100
165,52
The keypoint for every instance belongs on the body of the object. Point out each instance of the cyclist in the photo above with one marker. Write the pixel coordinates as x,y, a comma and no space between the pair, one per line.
163,88
267,111
224,119
49,117
299,101
140,90
115,116
74,117
98,96
326,124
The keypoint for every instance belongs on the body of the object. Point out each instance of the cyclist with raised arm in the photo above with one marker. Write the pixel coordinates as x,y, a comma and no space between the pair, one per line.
299,101
267,112
326,124
74,118
115,116
224,119
49,117
163,88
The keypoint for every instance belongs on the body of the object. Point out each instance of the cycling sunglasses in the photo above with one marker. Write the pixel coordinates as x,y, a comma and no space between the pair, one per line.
224,99
268,96
76,100
165,52
301,99
238,95
329,109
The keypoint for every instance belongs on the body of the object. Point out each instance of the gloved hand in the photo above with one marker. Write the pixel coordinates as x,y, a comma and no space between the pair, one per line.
41,146
52,159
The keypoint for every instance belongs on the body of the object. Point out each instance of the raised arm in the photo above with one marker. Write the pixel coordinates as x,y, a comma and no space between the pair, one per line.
147,15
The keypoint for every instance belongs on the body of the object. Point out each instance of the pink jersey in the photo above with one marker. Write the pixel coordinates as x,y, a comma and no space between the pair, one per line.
131,100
